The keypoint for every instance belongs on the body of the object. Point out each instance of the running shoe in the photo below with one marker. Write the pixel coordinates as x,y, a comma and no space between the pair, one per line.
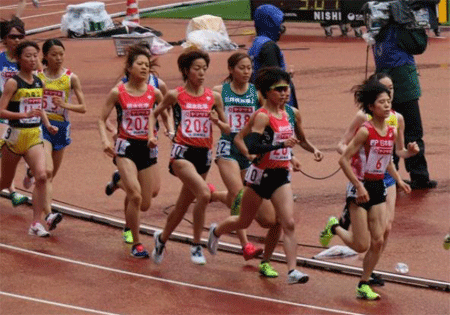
266,270
197,256
18,199
35,3
250,251
328,31
344,220
376,280
213,240
236,205
138,251
358,32
28,179
53,219
365,292
38,230
157,253
326,235
447,242
297,276
127,236
111,187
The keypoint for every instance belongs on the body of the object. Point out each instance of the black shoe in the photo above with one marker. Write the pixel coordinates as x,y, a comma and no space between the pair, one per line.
328,31
376,280
344,220
111,187
421,184
437,32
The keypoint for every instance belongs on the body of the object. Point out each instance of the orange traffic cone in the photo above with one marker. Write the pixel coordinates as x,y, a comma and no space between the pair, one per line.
132,11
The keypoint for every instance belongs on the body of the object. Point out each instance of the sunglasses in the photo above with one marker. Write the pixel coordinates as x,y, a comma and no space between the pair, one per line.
16,36
280,88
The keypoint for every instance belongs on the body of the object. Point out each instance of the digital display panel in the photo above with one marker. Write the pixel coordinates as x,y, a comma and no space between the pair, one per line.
314,10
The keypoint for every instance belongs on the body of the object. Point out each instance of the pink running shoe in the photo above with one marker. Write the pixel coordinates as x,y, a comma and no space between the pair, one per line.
250,251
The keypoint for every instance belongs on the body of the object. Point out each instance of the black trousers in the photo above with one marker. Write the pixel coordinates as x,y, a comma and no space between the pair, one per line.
416,166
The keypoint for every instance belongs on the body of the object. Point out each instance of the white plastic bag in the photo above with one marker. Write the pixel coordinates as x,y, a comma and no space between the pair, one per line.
337,251
85,18
209,41
160,46
208,32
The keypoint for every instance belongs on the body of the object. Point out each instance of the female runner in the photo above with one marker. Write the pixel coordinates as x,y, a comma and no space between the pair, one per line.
135,160
12,33
59,83
21,104
395,119
272,137
367,194
195,108
240,100
115,182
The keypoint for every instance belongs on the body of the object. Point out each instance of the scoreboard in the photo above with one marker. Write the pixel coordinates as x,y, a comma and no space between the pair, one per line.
316,10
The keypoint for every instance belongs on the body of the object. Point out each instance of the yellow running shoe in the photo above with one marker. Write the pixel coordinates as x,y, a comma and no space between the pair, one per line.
326,235
447,242
267,271
127,237
236,205
365,292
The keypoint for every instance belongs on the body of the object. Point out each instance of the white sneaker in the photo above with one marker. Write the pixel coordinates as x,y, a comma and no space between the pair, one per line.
157,253
297,277
38,230
28,179
197,256
53,219
213,240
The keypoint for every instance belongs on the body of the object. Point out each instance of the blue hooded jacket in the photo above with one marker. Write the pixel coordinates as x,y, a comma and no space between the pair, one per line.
268,20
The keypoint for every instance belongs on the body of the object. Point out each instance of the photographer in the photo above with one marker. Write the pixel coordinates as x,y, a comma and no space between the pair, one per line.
393,52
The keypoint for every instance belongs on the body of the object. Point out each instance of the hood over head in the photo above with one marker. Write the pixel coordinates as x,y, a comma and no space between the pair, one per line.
268,20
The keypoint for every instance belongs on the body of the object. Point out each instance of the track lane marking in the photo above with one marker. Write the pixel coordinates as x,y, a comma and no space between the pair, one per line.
174,282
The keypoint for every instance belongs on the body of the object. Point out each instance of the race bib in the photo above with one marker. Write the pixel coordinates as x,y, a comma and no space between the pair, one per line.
283,154
11,135
47,102
196,124
377,163
154,153
238,116
121,146
223,148
254,175
135,121
27,105
178,151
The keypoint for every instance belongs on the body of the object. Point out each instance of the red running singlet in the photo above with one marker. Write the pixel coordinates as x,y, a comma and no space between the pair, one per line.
133,113
376,153
191,114
278,131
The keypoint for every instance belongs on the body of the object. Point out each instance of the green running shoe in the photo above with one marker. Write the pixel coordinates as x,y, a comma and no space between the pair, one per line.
267,271
326,235
18,199
236,205
127,237
447,242
365,292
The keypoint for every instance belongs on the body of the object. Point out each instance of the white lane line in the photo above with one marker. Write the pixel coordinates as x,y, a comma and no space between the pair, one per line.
174,282
73,307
